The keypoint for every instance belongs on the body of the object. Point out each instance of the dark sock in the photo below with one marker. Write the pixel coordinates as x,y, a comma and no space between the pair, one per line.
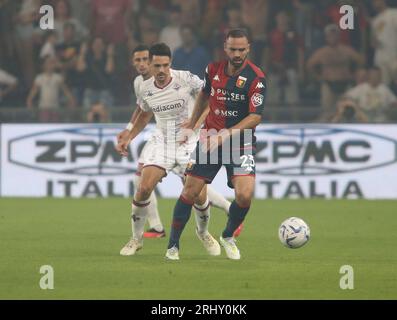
181,216
236,217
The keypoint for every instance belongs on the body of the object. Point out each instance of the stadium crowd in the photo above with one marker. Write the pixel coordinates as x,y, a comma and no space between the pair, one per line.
82,67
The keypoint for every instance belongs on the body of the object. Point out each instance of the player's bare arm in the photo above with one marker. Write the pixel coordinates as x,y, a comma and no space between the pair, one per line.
201,120
249,122
140,123
199,107
124,134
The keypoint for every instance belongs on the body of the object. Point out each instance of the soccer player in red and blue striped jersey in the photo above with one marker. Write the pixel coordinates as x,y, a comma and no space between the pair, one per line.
235,91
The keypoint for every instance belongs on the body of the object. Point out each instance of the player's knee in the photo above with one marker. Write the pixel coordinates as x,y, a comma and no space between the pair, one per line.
243,199
144,191
190,193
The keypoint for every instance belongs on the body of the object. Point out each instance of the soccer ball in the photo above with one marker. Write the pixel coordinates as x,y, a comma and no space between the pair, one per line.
294,233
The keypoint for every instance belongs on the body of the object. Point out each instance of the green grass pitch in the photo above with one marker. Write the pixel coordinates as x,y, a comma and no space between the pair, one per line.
81,239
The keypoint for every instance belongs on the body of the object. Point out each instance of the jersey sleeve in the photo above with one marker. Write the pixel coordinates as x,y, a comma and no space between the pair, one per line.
137,92
207,82
257,95
144,105
193,81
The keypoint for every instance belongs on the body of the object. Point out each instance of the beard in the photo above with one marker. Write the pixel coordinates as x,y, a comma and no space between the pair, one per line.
237,63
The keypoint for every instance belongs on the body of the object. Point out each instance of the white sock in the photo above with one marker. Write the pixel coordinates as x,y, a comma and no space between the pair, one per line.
217,200
136,181
138,218
202,216
153,214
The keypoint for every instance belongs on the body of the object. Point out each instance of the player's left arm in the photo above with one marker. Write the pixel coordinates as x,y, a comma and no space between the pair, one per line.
256,102
202,118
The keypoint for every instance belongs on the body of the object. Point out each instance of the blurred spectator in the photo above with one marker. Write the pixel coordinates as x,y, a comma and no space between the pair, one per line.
49,85
374,97
190,11
8,9
384,38
210,22
170,34
190,56
81,10
333,65
355,37
8,84
67,53
347,111
97,113
234,19
48,48
255,17
286,66
25,21
96,63
361,76
63,15
110,20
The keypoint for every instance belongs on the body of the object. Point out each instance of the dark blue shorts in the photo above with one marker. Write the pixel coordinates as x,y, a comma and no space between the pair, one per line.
238,161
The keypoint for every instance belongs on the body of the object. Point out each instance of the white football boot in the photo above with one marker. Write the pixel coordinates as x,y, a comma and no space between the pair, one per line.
131,247
210,244
172,253
231,249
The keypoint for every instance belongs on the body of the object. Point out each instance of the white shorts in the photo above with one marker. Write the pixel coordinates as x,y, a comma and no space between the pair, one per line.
168,157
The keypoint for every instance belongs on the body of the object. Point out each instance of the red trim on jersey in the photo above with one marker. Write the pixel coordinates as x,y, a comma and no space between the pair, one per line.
212,121
154,165
198,177
157,86
259,73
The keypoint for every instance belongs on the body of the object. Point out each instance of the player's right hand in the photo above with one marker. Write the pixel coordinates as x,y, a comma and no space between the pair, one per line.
186,130
122,135
122,147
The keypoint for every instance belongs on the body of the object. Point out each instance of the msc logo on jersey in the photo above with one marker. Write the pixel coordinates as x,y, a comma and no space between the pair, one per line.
241,82
257,99
226,113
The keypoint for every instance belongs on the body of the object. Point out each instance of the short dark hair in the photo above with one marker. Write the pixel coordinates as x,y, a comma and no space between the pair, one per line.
140,47
237,33
159,49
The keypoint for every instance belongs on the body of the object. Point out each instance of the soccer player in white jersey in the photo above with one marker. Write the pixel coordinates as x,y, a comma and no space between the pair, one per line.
140,61
169,95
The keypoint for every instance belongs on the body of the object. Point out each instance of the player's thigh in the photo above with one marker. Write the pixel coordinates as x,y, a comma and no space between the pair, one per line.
244,187
150,176
202,197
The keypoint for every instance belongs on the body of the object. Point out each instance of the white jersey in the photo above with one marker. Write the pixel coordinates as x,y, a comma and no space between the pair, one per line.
138,81
384,27
172,104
